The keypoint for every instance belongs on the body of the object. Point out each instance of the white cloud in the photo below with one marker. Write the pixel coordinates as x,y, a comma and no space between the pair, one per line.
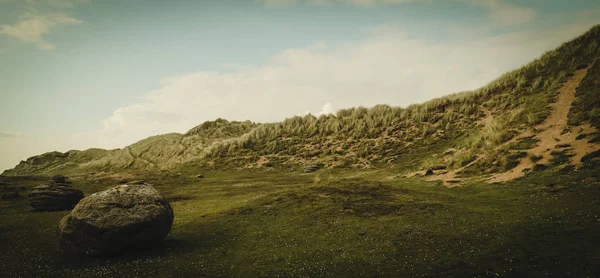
30,28
326,109
39,18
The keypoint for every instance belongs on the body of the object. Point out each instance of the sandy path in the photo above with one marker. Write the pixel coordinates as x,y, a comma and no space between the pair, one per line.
551,133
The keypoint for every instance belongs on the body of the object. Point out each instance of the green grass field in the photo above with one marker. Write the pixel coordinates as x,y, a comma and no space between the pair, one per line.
339,223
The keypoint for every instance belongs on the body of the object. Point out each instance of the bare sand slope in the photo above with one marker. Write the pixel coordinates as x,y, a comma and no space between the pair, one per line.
551,134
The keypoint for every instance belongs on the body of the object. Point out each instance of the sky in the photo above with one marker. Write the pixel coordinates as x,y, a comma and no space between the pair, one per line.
77,74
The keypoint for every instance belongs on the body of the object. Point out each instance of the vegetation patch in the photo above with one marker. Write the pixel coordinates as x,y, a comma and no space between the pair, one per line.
535,158
595,139
567,169
586,106
559,157
591,156
540,167
524,143
513,160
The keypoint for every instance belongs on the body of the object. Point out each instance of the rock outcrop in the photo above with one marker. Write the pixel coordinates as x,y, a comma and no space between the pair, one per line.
117,220
54,197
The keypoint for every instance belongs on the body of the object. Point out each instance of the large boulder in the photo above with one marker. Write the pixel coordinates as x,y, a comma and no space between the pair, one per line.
116,220
54,197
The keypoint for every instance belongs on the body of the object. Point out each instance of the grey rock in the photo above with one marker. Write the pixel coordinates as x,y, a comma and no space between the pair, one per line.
54,197
117,220
311,168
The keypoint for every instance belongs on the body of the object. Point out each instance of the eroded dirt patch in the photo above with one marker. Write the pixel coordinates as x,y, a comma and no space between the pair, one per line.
552,135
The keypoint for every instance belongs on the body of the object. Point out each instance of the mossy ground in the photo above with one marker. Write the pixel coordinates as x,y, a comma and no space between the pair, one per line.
339,223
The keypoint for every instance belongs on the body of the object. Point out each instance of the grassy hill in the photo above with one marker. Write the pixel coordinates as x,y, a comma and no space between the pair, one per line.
153,153
489,129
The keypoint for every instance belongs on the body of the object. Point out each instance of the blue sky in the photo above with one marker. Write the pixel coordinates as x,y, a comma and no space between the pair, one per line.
77,74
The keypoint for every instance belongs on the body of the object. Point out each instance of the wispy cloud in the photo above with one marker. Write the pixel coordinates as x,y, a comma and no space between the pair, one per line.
502,12
39,18
365,2
63,3
8,134
275,3
499,12
327,2
31,27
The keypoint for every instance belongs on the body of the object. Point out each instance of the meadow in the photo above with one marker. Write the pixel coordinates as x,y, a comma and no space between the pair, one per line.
336,223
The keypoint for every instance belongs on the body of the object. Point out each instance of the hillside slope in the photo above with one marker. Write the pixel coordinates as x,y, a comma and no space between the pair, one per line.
157,152
503,127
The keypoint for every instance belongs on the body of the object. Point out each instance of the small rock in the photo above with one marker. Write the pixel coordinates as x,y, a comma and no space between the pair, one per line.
199,176
429,172
311,168
54,197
